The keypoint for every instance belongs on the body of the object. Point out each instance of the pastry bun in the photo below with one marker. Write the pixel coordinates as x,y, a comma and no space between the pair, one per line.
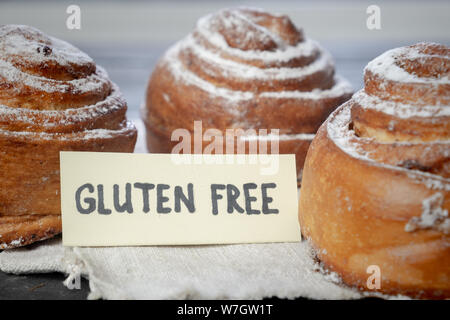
243,69
376,182
53,97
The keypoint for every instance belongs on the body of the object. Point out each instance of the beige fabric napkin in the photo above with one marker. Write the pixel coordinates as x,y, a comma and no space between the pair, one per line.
250,271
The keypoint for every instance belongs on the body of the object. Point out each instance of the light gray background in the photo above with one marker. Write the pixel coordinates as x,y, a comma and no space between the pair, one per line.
127,37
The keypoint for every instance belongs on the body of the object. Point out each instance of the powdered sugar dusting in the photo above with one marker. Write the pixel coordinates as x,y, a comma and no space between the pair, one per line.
341,87
27,42
386,66
306,48
34,63
52,118
27,53
100,133
431,63
338,130
12,244
281,137
398,109
282,53
180,72
92,83
258,52
433,215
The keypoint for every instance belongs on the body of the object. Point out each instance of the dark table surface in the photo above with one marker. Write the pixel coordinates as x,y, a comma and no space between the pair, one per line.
130,69
39,286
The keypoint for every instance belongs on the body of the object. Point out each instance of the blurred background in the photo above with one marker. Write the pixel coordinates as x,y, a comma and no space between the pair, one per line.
127,37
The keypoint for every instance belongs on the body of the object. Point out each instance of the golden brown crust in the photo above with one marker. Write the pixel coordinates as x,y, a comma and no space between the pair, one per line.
368,198
18,231
52,98
275,79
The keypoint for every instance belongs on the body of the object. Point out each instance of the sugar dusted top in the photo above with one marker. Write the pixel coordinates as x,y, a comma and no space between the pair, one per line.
34,63
50,90
232,48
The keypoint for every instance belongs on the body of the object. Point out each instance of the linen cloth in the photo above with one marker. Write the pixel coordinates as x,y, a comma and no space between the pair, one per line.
241,271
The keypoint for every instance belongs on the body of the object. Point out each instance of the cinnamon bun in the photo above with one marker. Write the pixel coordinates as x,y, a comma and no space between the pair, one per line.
376,182
53,97
243,69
